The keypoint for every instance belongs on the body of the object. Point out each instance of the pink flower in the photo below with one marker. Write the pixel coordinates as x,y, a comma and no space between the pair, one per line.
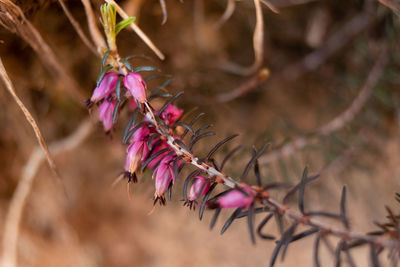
171,114
199,188
106,87
165,177
236,198
136,86
106,110
137,151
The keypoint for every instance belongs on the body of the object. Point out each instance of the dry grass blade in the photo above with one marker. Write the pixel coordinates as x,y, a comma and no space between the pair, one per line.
97,37
258,46
230,8
13,19
138,31
30,119
18,200
77,27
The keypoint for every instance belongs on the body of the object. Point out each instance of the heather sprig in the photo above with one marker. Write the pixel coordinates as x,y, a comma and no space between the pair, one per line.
157,140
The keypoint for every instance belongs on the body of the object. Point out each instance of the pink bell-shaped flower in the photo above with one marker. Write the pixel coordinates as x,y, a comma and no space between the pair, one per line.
236,198
165,177
136,152
136,86
106,110
171,114
199,188
106,87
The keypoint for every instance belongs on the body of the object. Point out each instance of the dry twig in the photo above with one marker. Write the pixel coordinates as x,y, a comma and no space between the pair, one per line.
77,27
30,119
258,45
245,87
340,121
13,19
18,200
137,30
230,8
97,37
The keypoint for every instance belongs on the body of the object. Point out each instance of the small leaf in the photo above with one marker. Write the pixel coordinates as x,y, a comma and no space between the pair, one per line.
316,252
192,122
304,234
155,76
229,155
145,68
115,112
169,101
131,122
152,157
102,73
205,199
219,144
118,88
214,218
197,138
252,161
131,132
122,24
126,63
104,60
343,208
186,126
181,144
250,223
302,189
261,226
230,220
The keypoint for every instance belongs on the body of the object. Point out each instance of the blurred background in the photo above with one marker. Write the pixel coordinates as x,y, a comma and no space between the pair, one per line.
326,59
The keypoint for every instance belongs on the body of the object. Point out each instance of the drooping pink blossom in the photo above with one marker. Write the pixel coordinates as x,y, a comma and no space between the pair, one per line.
236,198
171,114
137,151
106,110
199,188
106,87
165,177
136,86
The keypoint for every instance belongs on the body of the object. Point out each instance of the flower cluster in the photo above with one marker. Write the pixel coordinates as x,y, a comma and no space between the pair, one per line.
147,149
108,93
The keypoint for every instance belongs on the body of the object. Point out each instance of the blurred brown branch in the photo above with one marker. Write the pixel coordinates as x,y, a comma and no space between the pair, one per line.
338,122
245,87
18,200
336,41
77,27
258,46
13,19
97,37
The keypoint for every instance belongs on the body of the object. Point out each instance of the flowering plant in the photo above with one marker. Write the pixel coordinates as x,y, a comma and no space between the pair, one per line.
159,142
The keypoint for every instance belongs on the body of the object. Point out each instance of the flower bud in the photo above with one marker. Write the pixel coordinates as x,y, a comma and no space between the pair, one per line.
236,198
171,114
199,188
164,176
106,110
106,87
137,151
136,86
